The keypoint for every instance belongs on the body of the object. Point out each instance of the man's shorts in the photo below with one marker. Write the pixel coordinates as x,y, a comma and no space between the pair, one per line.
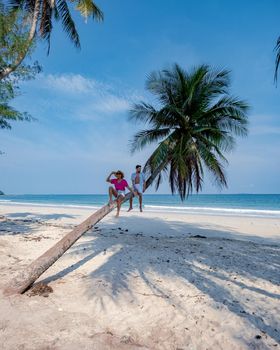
138,188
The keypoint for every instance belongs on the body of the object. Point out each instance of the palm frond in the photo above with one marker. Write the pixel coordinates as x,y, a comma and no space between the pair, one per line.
277,59
67,22
215,139
215,167
158,181
142,112
88,8
46,23
229,114
159,158
145,137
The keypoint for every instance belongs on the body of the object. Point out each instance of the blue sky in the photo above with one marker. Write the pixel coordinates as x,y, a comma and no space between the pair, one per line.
82,97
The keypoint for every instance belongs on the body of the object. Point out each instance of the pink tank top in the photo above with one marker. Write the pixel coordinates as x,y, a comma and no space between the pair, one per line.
119,186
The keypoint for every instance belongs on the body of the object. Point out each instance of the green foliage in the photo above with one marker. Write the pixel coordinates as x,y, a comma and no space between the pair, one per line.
8,91
193,124
13,39
14,30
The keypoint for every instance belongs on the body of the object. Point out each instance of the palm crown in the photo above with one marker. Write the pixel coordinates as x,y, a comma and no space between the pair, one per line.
194,124
58,10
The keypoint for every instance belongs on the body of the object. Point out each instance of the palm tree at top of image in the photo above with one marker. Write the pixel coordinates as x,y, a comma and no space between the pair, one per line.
193,123
41,15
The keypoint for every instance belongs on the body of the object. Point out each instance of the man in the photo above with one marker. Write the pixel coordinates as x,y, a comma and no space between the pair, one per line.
138,185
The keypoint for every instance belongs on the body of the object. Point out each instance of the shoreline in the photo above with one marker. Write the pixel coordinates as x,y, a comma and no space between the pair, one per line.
168,209
148,280
260,229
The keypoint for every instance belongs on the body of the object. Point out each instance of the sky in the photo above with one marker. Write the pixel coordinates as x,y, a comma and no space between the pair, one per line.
82,97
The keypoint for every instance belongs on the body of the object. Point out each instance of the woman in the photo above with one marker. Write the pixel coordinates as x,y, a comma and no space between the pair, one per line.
119,191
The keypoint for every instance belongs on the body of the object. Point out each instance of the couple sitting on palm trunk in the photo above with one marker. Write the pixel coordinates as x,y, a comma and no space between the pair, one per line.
120,184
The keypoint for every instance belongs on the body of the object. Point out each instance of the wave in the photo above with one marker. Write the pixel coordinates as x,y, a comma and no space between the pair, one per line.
53,205
162,208
235,210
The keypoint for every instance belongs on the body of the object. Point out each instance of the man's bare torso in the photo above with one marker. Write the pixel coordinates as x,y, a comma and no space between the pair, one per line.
137,178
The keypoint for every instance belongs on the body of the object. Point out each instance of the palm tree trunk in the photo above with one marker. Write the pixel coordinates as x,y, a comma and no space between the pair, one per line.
31,273
12,67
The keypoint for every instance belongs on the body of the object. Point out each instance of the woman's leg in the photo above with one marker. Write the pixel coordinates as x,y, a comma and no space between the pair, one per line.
112,192
119,203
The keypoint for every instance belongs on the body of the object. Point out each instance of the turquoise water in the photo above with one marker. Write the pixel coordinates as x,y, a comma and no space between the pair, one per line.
262,205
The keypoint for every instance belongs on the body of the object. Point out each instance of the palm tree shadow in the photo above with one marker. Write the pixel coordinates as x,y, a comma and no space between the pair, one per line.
39,217
13,227
24,223
202,262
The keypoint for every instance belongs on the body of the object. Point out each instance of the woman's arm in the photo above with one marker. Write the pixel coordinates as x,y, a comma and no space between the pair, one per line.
108,178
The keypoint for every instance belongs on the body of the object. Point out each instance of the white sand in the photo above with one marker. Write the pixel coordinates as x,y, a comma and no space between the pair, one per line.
143,281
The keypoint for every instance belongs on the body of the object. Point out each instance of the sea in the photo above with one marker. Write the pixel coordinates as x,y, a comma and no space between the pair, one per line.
253,205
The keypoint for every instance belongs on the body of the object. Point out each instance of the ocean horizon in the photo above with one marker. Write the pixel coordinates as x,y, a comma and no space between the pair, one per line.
254,205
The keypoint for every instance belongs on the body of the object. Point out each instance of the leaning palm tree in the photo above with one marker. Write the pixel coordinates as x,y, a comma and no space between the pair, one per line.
193,123
41,15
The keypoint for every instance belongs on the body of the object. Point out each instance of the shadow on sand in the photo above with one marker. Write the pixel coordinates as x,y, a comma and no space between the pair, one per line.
25,222
202,262
40,217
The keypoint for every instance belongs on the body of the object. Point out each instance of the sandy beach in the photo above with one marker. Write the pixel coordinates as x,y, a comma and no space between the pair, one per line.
143,281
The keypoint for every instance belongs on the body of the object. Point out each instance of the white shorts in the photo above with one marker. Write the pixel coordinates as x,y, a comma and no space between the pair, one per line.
138,188
121,193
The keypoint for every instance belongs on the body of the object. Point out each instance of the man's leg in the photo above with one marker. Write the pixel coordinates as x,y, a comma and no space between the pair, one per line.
140,201
130,202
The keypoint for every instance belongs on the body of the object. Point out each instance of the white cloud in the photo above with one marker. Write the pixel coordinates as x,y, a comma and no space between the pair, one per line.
86,98
113,104
69,83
